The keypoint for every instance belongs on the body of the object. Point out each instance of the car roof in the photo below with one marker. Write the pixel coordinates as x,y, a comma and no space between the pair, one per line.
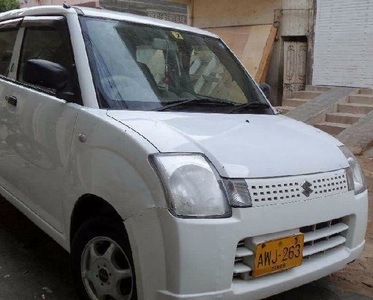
99,13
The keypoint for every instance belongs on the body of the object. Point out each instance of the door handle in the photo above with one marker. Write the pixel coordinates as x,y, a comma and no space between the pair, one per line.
11,100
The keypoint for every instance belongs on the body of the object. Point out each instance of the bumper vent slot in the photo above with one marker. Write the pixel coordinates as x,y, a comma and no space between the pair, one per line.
242,252
241,268
325,232
321,237
324,246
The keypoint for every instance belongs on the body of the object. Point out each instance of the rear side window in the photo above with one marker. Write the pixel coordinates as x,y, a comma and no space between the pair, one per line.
7,41
47,43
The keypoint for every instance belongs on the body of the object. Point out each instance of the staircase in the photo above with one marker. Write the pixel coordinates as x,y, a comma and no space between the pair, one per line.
302,97
349,111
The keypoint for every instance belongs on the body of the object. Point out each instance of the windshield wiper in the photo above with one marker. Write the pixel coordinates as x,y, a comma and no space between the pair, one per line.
251,105
202,101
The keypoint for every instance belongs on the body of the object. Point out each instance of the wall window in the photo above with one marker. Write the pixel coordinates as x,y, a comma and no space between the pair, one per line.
7,41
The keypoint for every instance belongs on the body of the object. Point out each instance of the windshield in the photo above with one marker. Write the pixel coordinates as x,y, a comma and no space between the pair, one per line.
141,67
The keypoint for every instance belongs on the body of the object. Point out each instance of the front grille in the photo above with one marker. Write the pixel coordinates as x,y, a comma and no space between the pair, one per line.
270,191
318,239
322,237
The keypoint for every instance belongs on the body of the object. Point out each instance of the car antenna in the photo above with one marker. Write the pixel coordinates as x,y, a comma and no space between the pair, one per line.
66,5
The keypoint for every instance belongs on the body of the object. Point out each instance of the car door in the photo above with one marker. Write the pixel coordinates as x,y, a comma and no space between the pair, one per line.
8,36
37,124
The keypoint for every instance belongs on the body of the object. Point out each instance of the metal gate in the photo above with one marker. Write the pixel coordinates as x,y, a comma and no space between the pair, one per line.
344,43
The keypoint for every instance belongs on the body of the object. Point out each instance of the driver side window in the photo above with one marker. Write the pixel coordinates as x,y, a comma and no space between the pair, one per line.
45,43
50,42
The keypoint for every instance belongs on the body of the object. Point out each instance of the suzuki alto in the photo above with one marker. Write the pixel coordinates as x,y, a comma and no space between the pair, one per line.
147,151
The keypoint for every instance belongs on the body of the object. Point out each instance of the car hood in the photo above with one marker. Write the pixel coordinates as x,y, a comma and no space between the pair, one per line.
240,146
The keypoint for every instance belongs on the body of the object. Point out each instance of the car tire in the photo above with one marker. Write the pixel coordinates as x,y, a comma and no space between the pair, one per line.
101,261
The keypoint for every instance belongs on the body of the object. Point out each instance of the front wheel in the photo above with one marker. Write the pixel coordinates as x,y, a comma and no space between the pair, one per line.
101,262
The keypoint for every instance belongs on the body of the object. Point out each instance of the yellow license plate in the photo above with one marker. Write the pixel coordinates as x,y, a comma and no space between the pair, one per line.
278,255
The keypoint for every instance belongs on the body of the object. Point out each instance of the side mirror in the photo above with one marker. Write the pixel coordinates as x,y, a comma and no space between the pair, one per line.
46,74
266,88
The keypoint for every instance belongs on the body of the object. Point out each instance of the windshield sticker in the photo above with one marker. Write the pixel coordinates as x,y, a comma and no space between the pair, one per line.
177,35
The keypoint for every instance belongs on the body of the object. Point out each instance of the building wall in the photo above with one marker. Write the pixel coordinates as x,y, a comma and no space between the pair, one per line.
30,3
219,13
160,9
293,14
294,18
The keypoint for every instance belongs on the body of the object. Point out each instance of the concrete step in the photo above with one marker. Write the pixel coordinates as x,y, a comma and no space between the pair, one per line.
362,99
313,88
344,118
366,91
285,109
354,108
294,102
306,94
332,128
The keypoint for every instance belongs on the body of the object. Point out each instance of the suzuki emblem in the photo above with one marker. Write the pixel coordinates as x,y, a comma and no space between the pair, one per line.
307,191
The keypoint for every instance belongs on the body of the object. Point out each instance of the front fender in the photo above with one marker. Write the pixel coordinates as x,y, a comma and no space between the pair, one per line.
112,163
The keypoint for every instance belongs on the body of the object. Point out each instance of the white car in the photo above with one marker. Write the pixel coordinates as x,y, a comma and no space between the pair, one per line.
146,150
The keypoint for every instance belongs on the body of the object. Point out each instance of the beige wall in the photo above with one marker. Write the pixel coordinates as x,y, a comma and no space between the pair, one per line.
292,14
296,4
293,18
30,3
218,13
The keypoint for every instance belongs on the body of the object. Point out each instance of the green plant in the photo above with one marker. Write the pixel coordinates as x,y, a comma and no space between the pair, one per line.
8,5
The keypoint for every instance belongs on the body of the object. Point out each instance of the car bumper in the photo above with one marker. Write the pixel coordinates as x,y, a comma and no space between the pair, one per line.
194,259
273,284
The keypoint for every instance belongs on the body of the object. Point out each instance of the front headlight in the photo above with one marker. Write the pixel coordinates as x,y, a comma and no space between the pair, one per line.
193,187
355,176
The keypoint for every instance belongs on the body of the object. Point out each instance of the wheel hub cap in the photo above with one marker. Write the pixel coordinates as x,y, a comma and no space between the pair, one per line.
106,270
103,275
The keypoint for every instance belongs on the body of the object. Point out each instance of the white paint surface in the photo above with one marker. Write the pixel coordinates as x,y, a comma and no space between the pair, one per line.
240,146
344,43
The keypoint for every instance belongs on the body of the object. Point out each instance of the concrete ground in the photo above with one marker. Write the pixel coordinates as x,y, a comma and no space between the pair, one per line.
33,266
